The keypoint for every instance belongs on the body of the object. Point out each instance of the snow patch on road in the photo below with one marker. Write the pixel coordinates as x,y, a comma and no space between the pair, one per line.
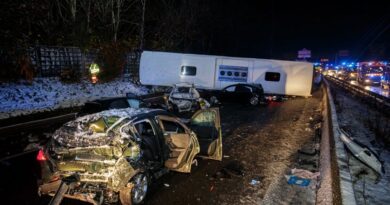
47,94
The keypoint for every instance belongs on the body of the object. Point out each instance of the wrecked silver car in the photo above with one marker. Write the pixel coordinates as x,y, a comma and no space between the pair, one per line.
185,98
114,155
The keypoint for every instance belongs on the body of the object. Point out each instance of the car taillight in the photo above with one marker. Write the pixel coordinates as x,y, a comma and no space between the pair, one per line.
41,156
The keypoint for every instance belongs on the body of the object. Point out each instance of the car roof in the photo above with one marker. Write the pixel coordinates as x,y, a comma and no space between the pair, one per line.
129,113
183,84
245,84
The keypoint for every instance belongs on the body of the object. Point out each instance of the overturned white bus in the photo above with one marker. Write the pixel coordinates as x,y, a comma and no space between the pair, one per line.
216,72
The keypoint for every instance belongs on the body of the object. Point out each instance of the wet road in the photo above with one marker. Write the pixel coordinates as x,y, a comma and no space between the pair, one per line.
259,143
376,89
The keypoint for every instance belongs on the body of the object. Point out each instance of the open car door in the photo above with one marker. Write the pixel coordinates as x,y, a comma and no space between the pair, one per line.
183,145
207,126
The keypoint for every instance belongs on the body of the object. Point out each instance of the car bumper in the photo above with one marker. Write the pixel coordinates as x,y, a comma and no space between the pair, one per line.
78,192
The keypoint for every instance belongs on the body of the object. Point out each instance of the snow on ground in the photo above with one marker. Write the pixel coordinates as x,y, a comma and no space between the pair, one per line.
46,94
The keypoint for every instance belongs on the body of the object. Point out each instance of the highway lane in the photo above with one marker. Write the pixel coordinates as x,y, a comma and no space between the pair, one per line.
376,89
252,140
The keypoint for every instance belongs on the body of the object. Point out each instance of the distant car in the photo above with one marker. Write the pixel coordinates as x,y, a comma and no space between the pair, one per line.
130,101
252,94
114,155
342,74
352,75
185,98
330,72
385,81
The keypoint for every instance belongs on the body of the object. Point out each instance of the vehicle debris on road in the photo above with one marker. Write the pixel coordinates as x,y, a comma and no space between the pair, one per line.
362,152
305,173
291,179
302,177
254,182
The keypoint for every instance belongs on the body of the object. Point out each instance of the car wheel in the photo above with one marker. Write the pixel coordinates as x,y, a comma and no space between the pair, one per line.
140,189
254,100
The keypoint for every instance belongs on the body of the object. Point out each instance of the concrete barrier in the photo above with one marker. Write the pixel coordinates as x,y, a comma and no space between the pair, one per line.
336,184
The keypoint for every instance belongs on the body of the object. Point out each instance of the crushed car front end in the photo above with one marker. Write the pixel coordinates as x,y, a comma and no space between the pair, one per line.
100,176
95,152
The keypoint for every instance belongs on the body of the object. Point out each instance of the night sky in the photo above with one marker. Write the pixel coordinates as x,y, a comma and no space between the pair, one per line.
277,29
243,28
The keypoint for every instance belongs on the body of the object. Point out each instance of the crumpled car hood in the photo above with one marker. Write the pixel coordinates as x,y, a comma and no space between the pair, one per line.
92,130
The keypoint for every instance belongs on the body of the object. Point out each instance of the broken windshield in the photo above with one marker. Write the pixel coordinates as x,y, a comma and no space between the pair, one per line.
91,130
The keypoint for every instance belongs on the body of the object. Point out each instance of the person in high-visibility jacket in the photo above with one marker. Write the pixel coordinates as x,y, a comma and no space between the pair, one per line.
94,70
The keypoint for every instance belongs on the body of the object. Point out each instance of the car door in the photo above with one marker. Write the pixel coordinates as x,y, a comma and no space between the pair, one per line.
227,94
207,127
183,145
243,93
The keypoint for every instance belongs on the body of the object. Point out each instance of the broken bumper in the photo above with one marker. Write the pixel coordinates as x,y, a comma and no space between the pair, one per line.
92,193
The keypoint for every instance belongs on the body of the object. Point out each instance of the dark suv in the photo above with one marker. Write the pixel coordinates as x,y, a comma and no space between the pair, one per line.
252,94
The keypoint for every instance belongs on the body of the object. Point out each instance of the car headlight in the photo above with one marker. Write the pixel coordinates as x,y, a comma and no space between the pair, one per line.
367,80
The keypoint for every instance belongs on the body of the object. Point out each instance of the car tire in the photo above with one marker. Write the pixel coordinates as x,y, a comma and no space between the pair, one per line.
140,189
254,100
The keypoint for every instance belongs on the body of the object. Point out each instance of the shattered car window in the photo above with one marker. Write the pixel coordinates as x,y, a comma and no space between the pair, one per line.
183,90
134,103
205,118
102,124
172,127
94,131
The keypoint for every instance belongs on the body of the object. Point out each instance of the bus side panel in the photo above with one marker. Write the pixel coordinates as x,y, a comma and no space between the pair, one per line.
232,71
157,68
292,78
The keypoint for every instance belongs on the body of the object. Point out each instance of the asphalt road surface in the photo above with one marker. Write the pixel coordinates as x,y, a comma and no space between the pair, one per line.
260,144
373,88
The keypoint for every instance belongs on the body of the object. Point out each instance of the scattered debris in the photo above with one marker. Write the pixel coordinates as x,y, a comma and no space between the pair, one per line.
305,173
195,162
317,126
308,162
312,153
254,182
362,152
233,168
291,179
302,177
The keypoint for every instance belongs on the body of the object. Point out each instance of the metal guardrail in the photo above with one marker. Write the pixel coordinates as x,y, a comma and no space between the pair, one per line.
378,101
36,124
60,119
